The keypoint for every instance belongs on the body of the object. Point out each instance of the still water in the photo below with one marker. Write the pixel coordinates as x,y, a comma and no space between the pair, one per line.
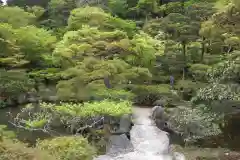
29,137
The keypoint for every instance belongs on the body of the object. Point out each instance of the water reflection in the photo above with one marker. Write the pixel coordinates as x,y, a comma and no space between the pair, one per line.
26,136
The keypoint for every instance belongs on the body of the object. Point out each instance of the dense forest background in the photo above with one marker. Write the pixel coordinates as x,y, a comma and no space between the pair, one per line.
61,54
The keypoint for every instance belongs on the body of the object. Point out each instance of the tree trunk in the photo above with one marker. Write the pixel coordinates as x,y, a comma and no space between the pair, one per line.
160,2
106,130
203,49
182,5
184,59
229,49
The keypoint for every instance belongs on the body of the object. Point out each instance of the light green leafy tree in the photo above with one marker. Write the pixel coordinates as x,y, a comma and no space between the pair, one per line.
96,17
58,12
35,43
146,7
118,7
181,29
13,84
90,55
10,54
16,16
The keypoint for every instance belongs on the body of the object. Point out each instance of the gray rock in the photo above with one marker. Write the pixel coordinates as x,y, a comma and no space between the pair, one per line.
178,156
103,157
22,98
158,113
125,123
118,144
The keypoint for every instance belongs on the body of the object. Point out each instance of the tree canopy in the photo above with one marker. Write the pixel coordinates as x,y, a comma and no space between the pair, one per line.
77,62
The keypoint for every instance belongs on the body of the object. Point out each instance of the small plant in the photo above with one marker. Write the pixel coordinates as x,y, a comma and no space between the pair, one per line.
5,133
68,148
13,150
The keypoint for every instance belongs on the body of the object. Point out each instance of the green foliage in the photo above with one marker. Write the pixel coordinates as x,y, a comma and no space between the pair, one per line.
118,7
25,44
172,7
200,11
49,74
106,108
88,15
58,12
152,27
112,94
199,71
224,78
35,43
188,88
90,54
72,116
16,16
4,133
147,6
36,10
191,40
146,48
10,150
148,94
236,3
13,83
10,54
218,91
193,123
221,4
66,148
172,62
91,42
85,79
179,27
96,17
212,59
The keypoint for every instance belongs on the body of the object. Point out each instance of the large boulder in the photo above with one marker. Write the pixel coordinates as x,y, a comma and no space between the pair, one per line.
158,113
118,144
125,125
161,120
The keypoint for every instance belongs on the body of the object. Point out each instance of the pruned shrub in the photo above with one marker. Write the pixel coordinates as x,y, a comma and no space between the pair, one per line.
187,88
147,94
71,116
199,71
193,123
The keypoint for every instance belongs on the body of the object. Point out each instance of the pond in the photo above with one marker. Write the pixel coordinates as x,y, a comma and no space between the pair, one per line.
23,135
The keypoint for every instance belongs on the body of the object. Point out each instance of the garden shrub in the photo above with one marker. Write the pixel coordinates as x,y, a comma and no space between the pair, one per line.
187,88
71,115
49,74
68,148
199,71
4,133
193,123
13,150
148,94
112,94
13,83
168,101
